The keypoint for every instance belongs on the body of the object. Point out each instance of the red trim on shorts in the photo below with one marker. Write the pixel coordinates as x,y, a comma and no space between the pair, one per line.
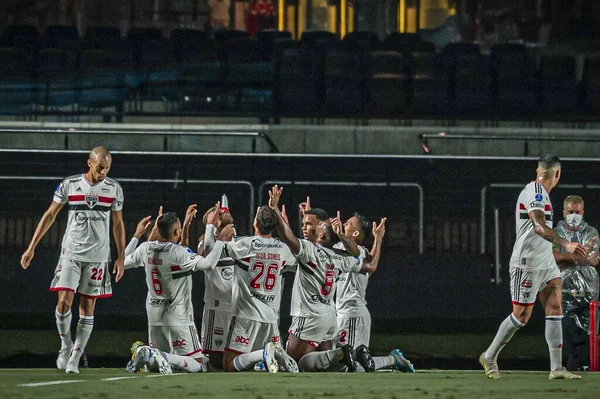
95,296
193,353
311,343
234,351
523,304
61,289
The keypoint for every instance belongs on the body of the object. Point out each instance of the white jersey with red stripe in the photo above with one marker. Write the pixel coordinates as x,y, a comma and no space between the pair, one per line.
218,285
532,252
259,262
87,237
169,269
351,292
314,286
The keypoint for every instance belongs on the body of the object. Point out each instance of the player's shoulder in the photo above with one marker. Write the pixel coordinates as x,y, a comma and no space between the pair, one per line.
111,182
73,179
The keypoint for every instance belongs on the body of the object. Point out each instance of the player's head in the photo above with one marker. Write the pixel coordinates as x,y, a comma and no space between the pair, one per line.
169,227
573,211
325,234
311,221
226,218
99,162
357,228
266,220
549,169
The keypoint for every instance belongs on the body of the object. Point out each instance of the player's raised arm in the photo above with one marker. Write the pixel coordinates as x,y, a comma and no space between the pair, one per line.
190,214
196,262
212,224
45,223
538,218
140,230
349,244
154,234
283,228
378,233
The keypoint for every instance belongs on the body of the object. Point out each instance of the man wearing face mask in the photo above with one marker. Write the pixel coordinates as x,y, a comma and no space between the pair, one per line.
579,281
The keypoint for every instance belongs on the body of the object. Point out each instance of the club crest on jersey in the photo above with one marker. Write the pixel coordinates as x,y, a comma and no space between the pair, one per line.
91,200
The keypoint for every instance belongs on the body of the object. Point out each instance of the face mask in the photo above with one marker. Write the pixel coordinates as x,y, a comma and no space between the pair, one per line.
574,220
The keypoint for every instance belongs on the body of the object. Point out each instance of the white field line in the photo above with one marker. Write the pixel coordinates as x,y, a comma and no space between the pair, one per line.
41,384
118,378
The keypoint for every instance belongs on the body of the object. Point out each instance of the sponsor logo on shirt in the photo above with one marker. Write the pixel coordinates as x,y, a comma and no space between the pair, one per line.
317,298
240,339
218,331
160,302
178,343
275,339
526,284
258,245
227,273
81,218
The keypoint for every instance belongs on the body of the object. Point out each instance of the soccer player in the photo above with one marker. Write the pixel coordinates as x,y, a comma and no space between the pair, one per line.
313,315
218,295
94,200
533,270
168,267
353,317
260,260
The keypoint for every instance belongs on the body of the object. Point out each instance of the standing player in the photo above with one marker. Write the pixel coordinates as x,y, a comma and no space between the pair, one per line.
168,268
85,252
254,332
533,271
313,315
218,295
353,317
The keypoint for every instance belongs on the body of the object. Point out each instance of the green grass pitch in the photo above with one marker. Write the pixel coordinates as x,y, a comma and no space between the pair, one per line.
115,383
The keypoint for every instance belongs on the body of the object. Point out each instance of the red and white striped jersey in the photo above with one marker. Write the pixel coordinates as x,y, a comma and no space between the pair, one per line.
87,237
531,251
314,286
257,279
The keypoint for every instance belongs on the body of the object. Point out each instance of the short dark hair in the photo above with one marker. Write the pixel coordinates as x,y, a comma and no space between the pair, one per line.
266,220
166,224
319,213
363,224
548,161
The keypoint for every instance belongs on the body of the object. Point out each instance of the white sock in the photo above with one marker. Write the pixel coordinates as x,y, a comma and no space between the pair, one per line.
247,360
382,362
185,363
321,360
84,330
507,329
554,338
63,323
359,368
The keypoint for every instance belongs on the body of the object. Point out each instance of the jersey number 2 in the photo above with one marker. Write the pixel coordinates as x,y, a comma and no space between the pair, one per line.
270,278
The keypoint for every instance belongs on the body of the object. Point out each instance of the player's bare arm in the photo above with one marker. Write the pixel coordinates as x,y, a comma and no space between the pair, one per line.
142,227
190,214
212,224
45,223
283,228
305,206
154,234
378,233
538,218
118,227
349,245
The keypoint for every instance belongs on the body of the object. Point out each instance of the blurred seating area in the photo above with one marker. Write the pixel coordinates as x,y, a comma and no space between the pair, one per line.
230,73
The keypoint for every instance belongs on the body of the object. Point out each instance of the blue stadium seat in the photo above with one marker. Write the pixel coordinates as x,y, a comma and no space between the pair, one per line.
560,91
343,82
386,84
472,83
16,83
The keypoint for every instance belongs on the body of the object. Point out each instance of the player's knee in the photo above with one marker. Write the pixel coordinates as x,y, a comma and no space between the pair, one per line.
86,306
63,307
553,309
522,316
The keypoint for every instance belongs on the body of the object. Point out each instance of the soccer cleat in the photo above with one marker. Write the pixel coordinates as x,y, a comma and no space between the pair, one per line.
141,355
63,357
563,374
490,367
269,358
401,363
73,364
160,361
348,359
285,361
363,357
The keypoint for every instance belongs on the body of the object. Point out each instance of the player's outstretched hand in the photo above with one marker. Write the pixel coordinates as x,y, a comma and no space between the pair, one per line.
142,227
26,258
305,206
119,269
274,196
154,234
190,214
227,233
576,248
379,230
336,224
284,214
214,217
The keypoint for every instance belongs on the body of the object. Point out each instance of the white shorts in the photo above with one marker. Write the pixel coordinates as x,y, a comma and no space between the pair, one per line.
354,331
215,326
525,284
88,278
313,330
247,336
180,340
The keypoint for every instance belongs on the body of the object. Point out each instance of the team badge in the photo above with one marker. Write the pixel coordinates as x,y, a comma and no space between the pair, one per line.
91,200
